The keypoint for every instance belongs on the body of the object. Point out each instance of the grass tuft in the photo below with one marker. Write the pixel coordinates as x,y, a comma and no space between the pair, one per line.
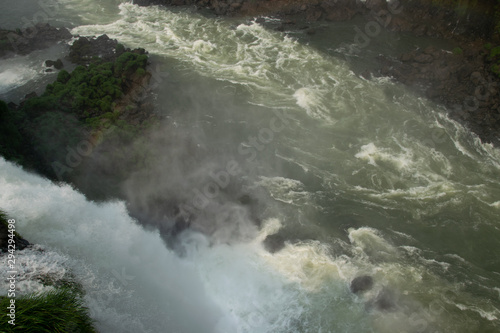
56,311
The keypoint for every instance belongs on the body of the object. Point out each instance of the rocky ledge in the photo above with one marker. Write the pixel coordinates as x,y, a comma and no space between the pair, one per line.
37,37
19,242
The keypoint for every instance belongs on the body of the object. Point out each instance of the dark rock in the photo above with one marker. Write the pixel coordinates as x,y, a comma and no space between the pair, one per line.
406,57
476,77
179,226
366,74
385,301
376,5
420,30
443,74
313,15
30,95
19,242
87,50
423,58
274,243
35,37
311,31
58,64
361,284
245,199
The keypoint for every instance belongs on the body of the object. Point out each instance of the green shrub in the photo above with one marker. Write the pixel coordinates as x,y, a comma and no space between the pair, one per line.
140,71
119,48
63,76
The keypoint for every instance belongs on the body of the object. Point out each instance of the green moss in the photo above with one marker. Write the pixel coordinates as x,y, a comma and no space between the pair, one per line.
457,51
12,142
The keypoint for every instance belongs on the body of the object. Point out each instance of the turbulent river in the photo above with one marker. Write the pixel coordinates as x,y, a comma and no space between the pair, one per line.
361,177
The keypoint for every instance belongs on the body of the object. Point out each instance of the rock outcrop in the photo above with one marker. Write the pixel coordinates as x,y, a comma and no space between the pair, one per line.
461,80
37,37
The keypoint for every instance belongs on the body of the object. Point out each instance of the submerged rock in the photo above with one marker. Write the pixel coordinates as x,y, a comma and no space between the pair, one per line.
361,284
385,301
274,243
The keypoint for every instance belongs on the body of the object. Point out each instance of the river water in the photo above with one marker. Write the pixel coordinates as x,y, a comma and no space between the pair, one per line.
361,177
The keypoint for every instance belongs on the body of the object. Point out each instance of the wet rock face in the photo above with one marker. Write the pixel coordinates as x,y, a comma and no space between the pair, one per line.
459,79
312,10
385,301
361,284
57,64
36,37
86,49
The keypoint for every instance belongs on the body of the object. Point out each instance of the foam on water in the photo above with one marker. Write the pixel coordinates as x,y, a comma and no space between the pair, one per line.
369,140
263,61
284,189
13,75
134,282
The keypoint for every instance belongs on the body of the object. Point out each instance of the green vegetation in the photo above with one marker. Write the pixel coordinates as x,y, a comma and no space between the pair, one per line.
11,141
494,57
39,131
88,91
59,310
457,51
